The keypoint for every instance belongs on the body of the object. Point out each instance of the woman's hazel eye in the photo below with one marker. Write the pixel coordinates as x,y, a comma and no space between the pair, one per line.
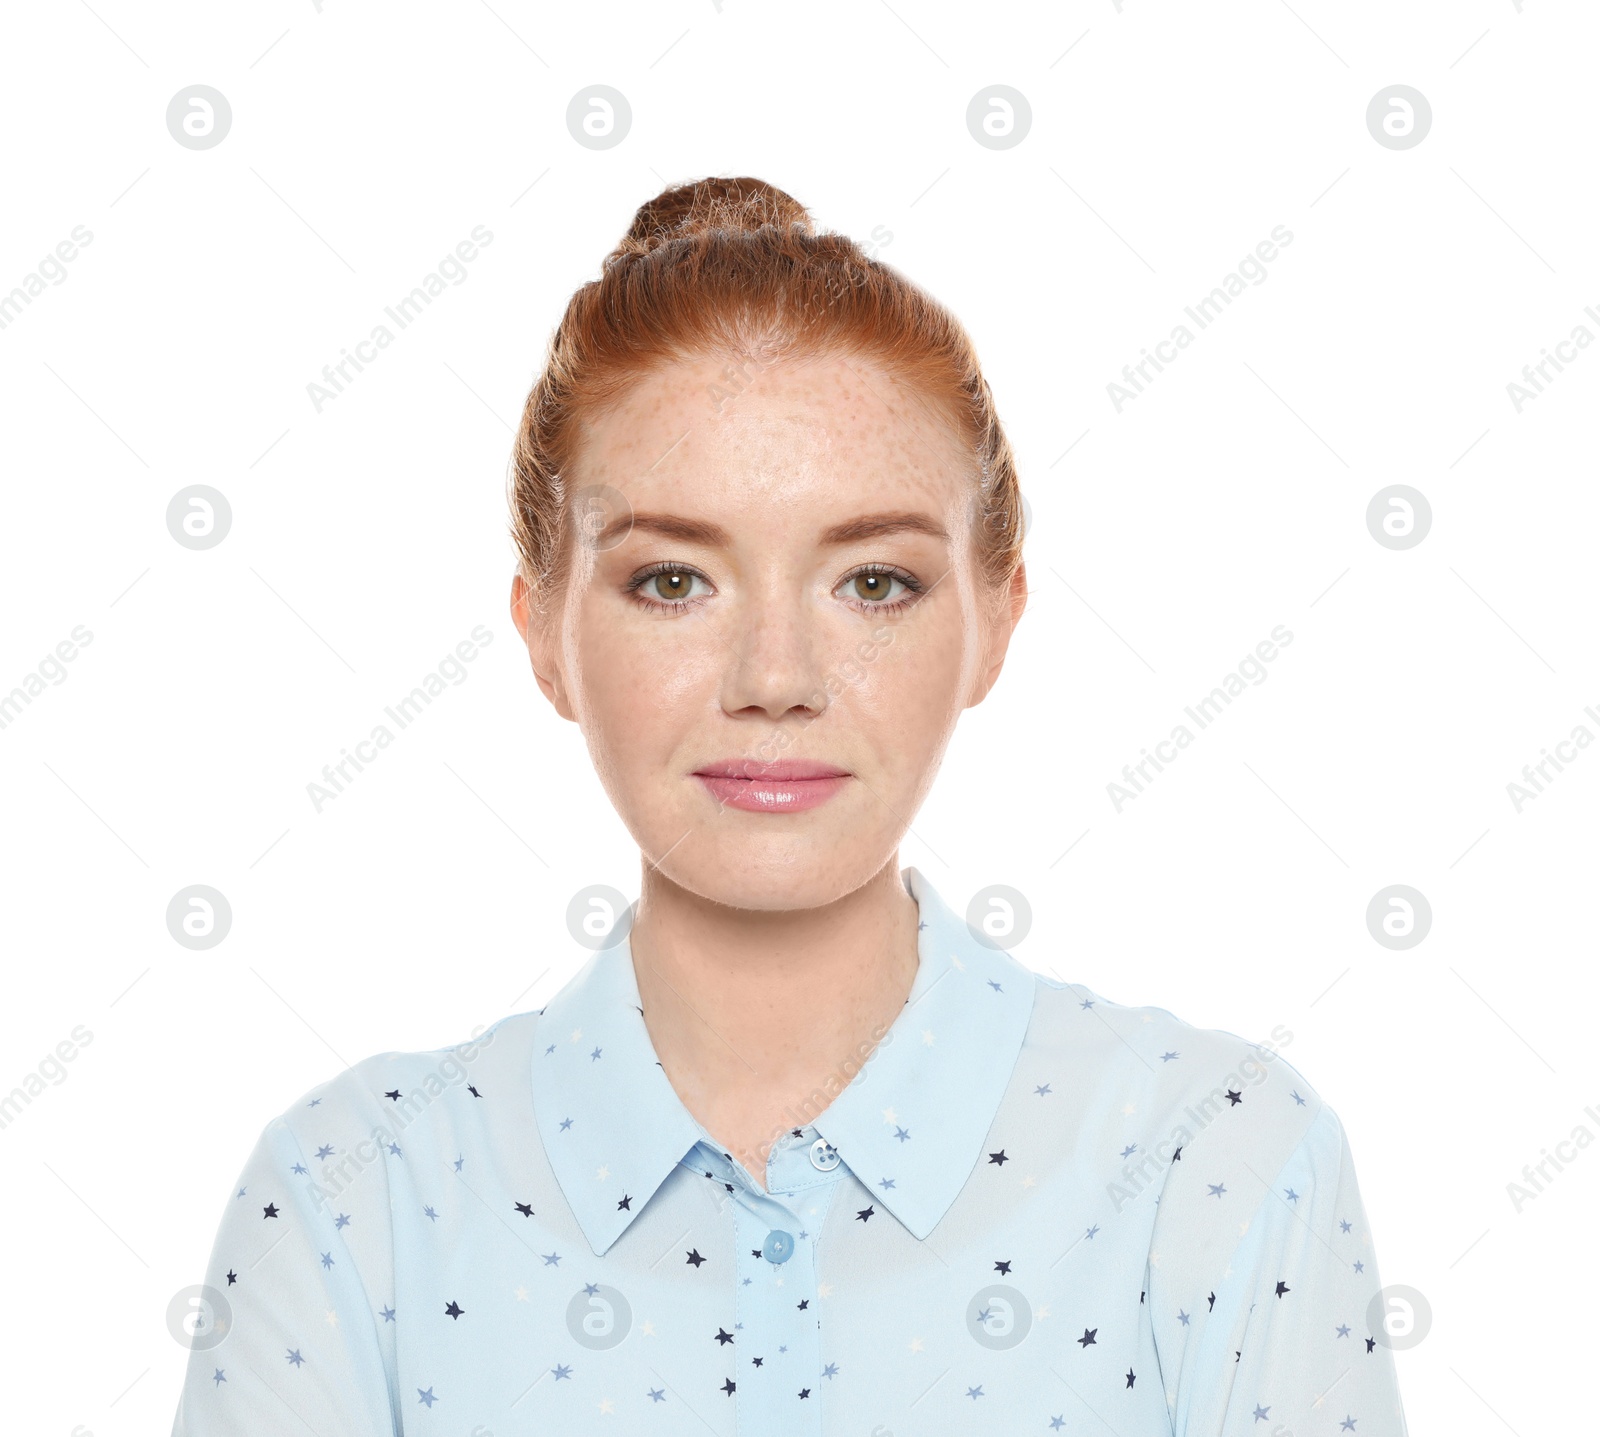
672,585
874,588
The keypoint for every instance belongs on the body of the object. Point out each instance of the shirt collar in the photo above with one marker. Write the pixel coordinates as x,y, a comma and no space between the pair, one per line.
910,1125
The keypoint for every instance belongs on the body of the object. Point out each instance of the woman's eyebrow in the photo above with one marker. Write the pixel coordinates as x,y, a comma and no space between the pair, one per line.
714,536
672,526
872,526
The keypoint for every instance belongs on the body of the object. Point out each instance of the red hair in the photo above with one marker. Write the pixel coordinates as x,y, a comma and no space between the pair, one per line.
734,266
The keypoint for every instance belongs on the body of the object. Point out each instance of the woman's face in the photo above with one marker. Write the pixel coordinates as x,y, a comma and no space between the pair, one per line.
774,622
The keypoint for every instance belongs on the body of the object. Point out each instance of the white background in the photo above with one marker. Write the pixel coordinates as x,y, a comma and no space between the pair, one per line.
1168,540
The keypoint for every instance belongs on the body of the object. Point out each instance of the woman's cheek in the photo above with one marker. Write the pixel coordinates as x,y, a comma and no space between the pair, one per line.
914,665
642,694
888,701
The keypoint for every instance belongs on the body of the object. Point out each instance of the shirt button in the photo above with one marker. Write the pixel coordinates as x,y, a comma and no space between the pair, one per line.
824,1156
779,1246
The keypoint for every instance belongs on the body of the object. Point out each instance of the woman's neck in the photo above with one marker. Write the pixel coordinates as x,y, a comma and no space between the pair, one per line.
761,1017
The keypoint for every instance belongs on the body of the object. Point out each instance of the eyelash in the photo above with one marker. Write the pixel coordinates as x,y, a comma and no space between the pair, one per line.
887,606
636,585
644,576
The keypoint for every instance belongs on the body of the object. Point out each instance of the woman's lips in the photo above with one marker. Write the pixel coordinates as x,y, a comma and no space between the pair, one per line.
785,786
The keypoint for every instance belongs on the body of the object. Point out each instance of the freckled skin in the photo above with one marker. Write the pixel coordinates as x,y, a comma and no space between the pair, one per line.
774,620
743,671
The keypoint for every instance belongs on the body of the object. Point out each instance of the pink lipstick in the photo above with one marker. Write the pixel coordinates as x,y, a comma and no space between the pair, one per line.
784,786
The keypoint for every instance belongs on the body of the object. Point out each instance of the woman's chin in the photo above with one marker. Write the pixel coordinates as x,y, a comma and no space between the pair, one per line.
774,872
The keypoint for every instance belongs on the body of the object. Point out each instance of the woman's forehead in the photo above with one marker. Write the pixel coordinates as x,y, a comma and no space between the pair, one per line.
836,428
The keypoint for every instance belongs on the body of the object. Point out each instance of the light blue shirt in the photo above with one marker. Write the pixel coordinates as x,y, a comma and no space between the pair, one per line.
1032,1210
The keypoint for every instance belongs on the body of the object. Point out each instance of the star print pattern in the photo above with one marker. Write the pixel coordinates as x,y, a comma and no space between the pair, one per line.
529,1231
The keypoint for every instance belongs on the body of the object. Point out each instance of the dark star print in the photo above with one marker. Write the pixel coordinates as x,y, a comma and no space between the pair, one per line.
596,1135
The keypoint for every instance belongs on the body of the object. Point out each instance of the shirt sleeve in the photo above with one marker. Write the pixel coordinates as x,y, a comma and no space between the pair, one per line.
1288,1331
284,1335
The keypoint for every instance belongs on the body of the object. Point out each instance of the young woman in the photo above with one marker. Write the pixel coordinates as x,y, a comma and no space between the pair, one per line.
800,1150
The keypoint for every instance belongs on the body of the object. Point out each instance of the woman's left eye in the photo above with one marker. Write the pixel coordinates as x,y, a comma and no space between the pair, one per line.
876,587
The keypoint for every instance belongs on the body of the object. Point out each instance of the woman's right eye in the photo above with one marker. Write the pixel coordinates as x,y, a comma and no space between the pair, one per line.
667,587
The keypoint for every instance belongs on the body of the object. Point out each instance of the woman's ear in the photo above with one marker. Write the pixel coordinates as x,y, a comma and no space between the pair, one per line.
1007,613
538,636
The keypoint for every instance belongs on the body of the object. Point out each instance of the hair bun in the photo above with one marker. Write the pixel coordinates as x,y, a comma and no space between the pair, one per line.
719,202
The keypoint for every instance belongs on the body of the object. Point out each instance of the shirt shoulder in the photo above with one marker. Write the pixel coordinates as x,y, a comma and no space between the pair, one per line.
405,1097
1185,1090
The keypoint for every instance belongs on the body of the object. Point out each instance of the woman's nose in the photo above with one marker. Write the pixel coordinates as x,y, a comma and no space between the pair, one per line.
775,656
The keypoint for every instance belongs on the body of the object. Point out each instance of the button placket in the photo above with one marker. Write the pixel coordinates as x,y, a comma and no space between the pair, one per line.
778,1341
